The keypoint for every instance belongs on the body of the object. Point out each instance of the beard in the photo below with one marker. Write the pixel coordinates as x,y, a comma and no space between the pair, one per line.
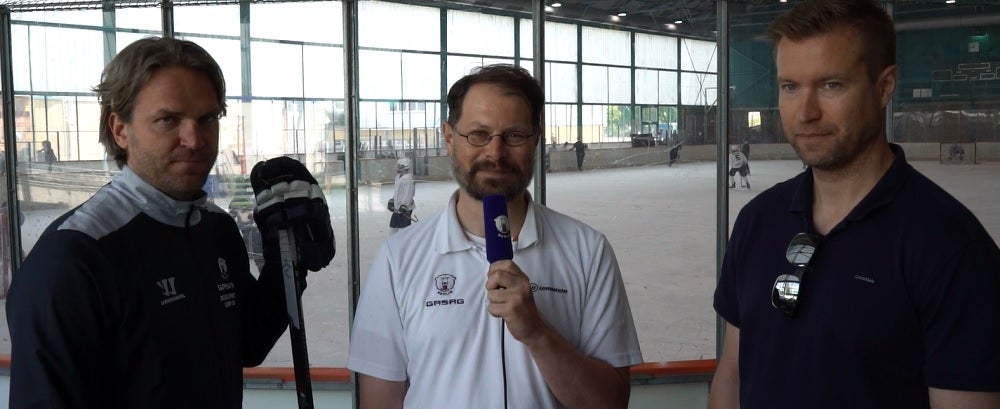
509,187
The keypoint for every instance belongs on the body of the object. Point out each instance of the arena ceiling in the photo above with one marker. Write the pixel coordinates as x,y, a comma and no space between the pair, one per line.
697,18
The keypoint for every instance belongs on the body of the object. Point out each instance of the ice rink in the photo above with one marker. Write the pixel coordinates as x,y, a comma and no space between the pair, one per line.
661,221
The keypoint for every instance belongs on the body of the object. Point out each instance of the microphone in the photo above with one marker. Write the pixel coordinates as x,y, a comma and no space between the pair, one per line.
498,244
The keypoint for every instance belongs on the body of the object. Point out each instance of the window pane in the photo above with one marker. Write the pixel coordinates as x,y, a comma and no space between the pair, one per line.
698,89
324,72
421,76
219,20
560,41
668,87
398,26
655,51
318,22
595,84
560,80
141,18
620,85
606,46
377,68
647,87
697,55
59,59
487,34
277,69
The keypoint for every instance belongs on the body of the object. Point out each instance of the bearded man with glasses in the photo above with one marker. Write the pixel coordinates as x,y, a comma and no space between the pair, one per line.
439,326
858,283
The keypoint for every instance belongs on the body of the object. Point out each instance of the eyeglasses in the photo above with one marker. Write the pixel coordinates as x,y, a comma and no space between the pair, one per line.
482,138
785,295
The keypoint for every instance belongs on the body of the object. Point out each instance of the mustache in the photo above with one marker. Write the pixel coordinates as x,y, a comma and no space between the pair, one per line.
501,165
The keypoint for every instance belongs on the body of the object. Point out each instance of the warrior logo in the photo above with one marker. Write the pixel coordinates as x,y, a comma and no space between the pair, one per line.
445,283
169,291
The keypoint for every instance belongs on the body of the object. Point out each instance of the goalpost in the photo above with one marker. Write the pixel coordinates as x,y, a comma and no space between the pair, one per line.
958,153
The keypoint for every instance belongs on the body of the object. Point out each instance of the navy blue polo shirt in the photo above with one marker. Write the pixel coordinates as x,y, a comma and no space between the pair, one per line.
903,294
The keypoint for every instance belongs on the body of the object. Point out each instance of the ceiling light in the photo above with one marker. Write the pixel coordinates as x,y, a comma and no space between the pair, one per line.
678,21
615,18
549,9
670,26
557,4
622,14
950,2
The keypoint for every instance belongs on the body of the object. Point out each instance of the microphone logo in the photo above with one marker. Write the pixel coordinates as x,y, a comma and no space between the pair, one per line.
502,226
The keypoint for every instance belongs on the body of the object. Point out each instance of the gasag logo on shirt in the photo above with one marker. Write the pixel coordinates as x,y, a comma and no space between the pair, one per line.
445,285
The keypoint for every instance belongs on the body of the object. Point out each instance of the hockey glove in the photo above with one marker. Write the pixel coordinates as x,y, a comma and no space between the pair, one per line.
288,197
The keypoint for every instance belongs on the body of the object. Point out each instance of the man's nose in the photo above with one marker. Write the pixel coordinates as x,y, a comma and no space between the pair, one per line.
193,134
496,148
809,107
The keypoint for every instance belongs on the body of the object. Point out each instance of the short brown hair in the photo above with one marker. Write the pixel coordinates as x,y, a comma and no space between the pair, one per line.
515,79
129,71
815,17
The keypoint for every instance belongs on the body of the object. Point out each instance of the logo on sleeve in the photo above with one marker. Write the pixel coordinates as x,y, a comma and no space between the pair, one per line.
169,291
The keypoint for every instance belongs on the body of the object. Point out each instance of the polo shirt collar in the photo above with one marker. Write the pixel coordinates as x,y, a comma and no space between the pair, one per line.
454,239
880,195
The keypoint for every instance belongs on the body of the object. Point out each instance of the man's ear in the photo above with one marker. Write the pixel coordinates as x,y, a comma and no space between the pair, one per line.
446,131
887,84
117,125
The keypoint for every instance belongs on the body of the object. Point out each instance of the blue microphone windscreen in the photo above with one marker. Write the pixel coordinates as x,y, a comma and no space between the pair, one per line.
498,244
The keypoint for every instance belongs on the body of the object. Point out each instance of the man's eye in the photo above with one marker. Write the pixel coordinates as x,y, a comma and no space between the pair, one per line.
210,119
831,85
515,136
787,87
166,120
480,134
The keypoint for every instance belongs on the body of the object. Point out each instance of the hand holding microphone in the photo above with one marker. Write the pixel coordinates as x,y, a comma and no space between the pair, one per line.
508,289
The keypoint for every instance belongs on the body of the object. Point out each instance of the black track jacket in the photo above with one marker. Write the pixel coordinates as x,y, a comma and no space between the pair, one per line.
136,300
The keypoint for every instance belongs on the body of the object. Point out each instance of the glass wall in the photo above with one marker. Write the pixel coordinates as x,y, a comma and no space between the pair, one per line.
629,96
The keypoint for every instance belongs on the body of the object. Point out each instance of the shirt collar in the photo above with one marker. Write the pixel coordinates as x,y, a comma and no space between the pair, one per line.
882,194
455,240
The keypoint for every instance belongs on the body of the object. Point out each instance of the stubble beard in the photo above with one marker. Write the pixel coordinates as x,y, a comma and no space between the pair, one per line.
838,155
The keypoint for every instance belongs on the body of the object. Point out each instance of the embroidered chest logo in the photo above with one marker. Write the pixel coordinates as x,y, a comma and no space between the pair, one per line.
227,290
223,269
169,291
445,283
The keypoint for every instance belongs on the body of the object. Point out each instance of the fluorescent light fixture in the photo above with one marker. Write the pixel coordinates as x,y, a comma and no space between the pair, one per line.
670,26
615,18
549,9
557,4
622,14
950,1
678,21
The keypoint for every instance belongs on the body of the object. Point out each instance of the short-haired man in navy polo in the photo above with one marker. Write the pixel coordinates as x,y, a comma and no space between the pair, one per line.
858,283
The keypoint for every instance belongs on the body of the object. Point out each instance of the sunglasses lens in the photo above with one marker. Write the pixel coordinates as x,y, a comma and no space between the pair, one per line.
801,249
785,293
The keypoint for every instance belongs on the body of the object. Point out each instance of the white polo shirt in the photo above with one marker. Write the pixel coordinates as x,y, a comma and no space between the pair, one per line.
422,313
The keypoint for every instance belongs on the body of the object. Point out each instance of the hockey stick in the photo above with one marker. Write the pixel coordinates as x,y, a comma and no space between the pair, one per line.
293,279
